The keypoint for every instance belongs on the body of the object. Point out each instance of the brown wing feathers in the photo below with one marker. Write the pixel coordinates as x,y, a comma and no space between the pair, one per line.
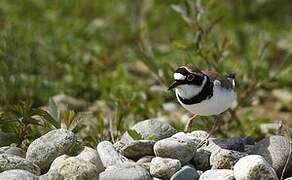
226,81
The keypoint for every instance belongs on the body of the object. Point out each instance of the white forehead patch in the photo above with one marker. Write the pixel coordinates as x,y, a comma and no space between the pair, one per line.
179,76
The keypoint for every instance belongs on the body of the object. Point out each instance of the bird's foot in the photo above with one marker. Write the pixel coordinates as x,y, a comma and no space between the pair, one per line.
189,124
203,142
187,128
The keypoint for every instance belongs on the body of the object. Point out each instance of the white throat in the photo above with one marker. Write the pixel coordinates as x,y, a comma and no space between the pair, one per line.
187,91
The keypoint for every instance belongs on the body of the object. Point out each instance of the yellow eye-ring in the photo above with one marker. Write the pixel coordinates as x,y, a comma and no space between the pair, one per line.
190,77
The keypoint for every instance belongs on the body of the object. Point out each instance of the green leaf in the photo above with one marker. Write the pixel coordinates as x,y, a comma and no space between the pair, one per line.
46,116
180,45
53,109
33,121
134,134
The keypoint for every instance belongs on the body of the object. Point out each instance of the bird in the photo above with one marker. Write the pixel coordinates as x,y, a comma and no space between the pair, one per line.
203,93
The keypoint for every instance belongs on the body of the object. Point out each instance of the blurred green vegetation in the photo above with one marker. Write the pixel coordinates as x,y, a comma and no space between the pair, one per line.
118,52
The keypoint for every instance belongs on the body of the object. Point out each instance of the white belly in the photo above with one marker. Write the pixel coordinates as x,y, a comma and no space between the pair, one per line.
221,100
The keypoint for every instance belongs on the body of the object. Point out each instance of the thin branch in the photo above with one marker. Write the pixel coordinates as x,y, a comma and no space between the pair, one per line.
290,152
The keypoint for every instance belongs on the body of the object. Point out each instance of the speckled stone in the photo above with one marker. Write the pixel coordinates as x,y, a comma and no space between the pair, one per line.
128,170
225,159
182,149
12,151
275,150
46,148
75,168
17,174
217,174
201,160
8,162
155,128
90,155
138,148
164,168
253,167
108,154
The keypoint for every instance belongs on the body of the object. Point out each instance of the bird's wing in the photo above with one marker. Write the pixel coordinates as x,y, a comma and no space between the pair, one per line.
225,82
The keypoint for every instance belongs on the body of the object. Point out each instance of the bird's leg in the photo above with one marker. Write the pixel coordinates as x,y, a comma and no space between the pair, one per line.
214,127
189,123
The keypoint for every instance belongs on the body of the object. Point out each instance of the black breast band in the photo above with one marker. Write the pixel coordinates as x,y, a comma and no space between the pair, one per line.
205,93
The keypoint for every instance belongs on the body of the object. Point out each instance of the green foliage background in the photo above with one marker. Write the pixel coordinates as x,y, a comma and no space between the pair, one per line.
115,51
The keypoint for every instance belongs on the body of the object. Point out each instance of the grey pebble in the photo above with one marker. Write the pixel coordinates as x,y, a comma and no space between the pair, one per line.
186,173
164,168
253,167
52,174
12,151
201,160
155,128
75,168
225,159
125,171
180,148
90,155
108,155
145,162
17,174
275,150
8,162
232,143
46,148
217,174
138,148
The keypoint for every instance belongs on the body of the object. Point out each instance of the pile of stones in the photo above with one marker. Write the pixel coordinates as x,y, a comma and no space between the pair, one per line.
160,153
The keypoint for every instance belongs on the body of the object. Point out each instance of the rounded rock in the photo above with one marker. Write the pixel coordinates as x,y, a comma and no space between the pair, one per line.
232,143
129,171
12,151
164,167
225,159
58,161
187,136
199,134
248,148
154,128
145,162
17,174
201,160
186,173
119,144
75,168
8,162
46,148
175,148
108,155
138,148
211,146
218,174
275,150
90,155
254,167
52,174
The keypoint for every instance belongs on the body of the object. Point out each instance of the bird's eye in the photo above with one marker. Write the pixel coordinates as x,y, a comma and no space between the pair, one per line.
190,77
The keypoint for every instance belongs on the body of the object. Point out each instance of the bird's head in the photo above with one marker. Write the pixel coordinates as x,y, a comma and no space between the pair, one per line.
188,81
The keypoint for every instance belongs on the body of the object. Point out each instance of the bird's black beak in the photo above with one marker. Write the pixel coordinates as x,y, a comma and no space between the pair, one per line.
173,85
